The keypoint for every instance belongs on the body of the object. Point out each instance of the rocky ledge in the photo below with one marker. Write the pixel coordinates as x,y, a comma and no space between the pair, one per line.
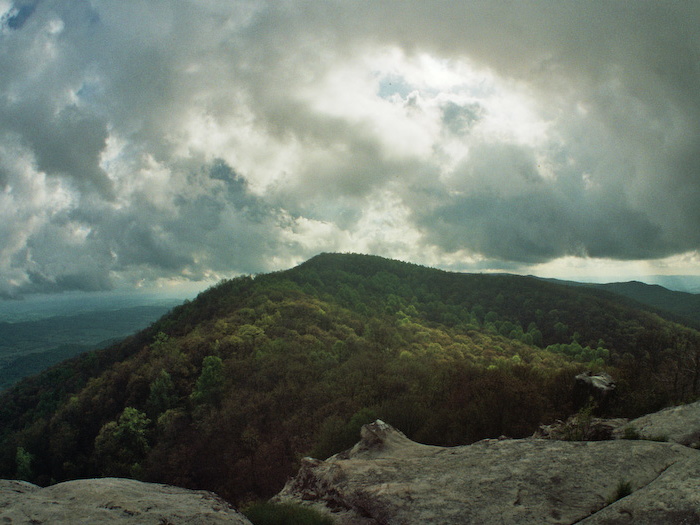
388,479
112,500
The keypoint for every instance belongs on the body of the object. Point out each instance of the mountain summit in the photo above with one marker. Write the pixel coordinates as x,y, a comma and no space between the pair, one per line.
228,391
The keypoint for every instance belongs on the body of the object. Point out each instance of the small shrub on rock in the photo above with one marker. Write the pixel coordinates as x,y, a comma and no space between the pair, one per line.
631,433
265,513
623,489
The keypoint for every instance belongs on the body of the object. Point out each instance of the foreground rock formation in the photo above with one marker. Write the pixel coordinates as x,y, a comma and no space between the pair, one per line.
388,479
679,424
112,500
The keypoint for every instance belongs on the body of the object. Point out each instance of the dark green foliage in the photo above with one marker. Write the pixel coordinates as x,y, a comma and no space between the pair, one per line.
284,514
623,489
122,445
632,433
243,381
162,394
686,306
336,435
210,385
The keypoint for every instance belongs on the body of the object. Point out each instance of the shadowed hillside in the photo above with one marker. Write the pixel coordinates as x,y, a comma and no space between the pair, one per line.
685,306
227,392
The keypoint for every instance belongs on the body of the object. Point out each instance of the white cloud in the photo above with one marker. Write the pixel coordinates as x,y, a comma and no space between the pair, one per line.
153,142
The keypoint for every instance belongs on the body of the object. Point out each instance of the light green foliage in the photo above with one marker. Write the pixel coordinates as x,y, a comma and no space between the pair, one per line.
24,464
586,354
159,340
284,514
210,384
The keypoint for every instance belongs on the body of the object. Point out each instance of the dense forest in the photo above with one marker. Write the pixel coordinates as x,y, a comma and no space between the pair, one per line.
227,392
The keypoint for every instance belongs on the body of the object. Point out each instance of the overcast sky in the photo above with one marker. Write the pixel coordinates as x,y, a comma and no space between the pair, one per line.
148,143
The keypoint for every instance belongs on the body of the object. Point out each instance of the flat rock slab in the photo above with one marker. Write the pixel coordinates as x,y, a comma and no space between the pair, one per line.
387,479
112,500
673,498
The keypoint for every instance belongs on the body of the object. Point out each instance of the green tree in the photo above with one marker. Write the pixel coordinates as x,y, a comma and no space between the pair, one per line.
335,435
24,464
162,394
210,384
121,445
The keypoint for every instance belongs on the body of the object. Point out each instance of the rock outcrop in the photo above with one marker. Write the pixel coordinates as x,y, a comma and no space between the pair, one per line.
388,479
578,428
112,500
680,424
598,387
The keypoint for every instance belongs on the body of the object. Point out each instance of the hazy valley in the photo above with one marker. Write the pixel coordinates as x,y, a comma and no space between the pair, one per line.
42,335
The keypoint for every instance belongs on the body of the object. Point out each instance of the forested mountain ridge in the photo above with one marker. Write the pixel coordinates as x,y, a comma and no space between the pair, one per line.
228,391
682,307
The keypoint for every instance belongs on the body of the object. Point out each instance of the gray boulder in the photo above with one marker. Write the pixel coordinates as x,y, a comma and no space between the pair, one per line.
599,387
112,500
680,424
388,479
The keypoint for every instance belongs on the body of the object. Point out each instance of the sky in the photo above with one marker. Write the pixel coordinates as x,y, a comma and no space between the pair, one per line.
151,144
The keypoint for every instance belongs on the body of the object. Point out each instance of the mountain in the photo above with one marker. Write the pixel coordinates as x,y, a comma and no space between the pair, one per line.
683,307
680,283
28,347
227,392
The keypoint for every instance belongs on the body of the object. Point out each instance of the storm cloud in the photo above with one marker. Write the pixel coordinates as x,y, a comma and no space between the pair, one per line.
153,141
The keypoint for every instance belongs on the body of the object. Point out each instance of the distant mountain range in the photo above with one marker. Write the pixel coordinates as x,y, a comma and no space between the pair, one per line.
28,347
683,307
676,283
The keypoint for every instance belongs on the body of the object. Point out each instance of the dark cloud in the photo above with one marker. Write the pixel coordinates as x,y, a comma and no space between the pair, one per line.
16,17
148,139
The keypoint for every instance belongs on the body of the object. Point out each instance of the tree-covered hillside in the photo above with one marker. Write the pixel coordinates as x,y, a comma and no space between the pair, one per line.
681,304
229,391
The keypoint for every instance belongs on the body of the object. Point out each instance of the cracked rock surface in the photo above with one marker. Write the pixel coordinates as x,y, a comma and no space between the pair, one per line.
672,498
112,500
388,479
